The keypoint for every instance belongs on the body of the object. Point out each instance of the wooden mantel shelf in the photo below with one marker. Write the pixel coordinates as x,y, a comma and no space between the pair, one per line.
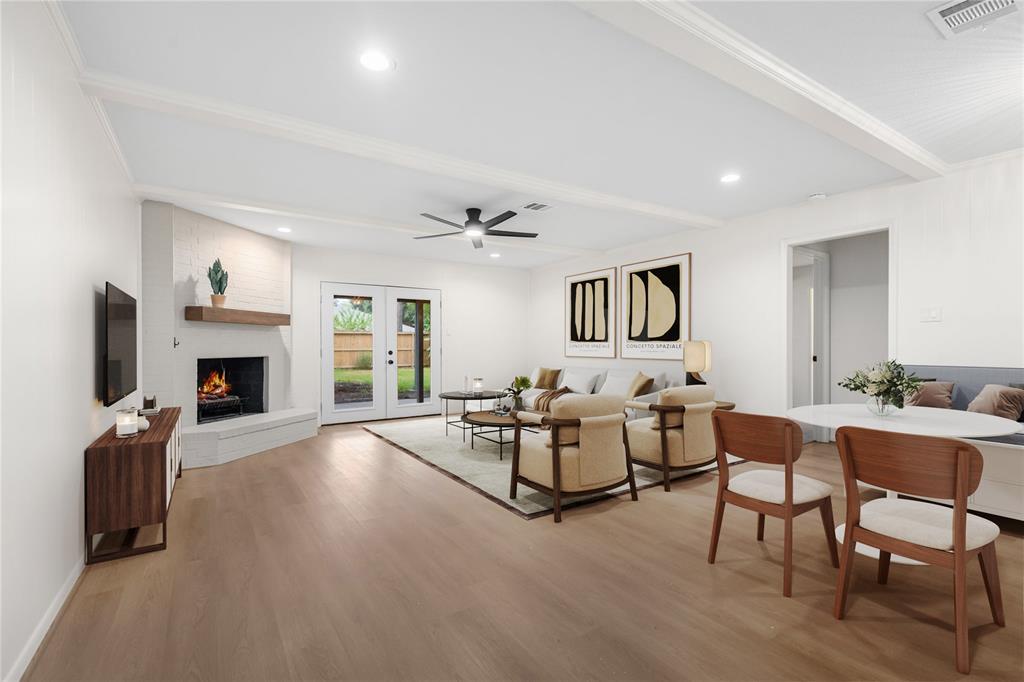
202,313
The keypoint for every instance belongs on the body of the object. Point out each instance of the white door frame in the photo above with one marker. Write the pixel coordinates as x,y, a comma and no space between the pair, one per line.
385,403
821,348
787,246
395,408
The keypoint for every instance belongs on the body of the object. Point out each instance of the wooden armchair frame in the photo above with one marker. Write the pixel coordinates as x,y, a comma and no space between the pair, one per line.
751,437
556,462
660,412
921,466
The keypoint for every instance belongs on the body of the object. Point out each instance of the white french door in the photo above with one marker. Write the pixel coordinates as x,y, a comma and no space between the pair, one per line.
380,347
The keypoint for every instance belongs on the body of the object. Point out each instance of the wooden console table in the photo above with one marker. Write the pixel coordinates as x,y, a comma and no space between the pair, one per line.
128,485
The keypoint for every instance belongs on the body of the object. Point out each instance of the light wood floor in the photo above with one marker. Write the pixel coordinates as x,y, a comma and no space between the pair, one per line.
341,557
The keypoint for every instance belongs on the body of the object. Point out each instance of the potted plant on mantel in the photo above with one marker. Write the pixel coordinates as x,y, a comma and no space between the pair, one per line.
218,282
886,384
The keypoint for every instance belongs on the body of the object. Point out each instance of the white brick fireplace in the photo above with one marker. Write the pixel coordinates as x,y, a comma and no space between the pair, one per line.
177,248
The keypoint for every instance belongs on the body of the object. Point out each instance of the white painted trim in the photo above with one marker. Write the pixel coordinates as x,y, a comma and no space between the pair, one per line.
178,196
71,46
24,658
991,158
218,112
686,32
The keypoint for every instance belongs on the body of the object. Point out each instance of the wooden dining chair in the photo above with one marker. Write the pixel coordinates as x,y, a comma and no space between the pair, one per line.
769,492
920,466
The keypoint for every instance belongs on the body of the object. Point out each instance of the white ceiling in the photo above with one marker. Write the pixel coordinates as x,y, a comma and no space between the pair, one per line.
545,94
961,99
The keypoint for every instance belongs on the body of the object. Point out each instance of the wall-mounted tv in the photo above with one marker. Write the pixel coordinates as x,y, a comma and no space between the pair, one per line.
120,359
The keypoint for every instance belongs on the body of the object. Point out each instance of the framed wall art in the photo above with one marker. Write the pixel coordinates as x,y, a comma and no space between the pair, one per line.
590,305
655,308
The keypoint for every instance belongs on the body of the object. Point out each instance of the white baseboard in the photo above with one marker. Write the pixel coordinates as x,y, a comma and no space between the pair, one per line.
29,650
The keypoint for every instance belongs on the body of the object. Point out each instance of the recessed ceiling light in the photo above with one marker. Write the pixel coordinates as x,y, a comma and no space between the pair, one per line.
495,255
730,178
375,60
473,232
284,229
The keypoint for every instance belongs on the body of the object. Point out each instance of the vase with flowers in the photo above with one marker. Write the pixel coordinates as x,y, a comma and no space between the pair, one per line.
886,384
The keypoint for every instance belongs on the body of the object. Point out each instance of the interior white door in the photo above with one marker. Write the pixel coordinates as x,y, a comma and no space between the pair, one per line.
414,351
353,349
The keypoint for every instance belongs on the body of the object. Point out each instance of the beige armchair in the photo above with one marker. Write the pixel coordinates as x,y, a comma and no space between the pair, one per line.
679,436
585,452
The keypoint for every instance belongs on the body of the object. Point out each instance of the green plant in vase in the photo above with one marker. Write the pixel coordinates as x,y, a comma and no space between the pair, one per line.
519,384
886,384
218,283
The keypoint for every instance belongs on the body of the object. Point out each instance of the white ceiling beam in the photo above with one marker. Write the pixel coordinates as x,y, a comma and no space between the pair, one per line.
692,35
182,197
114,88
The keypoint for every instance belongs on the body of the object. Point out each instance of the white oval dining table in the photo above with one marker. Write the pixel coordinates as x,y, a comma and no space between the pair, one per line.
919,421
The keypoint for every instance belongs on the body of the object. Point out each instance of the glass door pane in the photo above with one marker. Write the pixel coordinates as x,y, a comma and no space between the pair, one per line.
413,370
353,352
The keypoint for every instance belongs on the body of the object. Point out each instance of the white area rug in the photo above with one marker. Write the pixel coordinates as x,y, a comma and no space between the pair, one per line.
480,469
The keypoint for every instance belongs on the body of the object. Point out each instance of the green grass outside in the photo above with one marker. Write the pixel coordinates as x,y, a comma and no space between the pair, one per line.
406,379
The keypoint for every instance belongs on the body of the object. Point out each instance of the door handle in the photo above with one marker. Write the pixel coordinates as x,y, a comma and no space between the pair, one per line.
391,362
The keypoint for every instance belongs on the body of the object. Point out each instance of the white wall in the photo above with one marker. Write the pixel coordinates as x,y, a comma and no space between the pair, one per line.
70,222
485,319
958,246
859,307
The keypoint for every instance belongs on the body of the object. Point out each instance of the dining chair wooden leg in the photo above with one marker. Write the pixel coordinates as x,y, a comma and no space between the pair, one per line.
760,527
845,572
787,568
716,527
963,656
884,559
990,574
830,530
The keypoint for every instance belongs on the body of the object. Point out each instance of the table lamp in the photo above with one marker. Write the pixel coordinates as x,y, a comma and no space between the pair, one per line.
696,359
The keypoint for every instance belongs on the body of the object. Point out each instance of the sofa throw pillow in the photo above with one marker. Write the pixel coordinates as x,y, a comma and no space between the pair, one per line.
545,378
642,385
579,381
933,394
617,384
1002,401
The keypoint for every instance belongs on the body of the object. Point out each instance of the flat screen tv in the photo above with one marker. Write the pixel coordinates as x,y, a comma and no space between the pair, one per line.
120,358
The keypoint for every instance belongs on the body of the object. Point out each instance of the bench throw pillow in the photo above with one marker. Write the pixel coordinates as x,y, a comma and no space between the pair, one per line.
933,394
1002,401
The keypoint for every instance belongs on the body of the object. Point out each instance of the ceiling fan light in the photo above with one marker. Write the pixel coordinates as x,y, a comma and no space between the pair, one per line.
473,232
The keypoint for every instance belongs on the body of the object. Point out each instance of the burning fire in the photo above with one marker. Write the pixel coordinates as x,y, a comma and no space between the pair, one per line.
215,386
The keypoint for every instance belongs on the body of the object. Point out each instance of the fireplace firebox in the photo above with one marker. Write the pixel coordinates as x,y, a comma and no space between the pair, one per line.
230,387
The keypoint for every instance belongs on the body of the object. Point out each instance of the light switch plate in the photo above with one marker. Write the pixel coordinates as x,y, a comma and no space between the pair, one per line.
931,314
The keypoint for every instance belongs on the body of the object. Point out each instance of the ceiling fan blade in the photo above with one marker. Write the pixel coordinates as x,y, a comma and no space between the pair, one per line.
506,233
441,220
499,219
431,236
478,243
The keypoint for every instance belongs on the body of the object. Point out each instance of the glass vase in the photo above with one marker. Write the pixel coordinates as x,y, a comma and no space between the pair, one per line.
880,407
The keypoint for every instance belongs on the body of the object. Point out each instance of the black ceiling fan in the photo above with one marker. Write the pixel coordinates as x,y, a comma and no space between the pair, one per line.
476,229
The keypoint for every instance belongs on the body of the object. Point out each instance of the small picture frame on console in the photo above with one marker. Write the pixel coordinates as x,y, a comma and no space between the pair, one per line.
590,304
655,315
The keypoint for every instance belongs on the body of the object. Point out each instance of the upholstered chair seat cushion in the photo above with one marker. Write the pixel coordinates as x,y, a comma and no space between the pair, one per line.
597,461
923,523
769,485
645,445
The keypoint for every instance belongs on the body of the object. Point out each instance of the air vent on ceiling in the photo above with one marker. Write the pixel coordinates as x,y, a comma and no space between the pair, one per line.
534,206
960,16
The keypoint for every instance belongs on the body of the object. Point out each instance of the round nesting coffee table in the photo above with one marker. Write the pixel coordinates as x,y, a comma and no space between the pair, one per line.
485,424
464,397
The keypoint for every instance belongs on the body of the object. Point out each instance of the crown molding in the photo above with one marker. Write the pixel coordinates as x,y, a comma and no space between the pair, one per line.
998,157
114,88
175,195
694,36
74,52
